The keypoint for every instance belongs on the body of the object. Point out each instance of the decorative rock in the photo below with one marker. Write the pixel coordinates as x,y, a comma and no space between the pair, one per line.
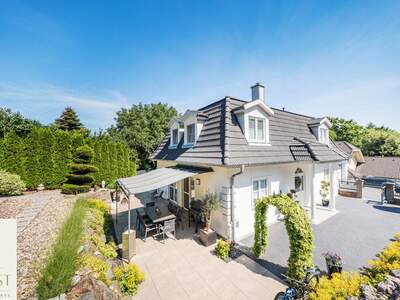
80,249
40,187
89,288
369,292
395,273
75,279
389,285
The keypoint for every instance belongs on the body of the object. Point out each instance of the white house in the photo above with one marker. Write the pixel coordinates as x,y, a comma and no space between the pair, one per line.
243,150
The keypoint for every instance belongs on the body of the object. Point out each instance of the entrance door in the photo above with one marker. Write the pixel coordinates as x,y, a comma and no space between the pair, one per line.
186,193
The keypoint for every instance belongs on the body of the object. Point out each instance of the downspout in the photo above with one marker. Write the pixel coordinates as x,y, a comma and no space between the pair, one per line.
233,203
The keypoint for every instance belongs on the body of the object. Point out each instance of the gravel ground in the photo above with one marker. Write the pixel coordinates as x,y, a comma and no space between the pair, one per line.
11,207
35,242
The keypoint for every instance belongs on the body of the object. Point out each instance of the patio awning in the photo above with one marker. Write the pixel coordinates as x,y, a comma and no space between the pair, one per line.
157,178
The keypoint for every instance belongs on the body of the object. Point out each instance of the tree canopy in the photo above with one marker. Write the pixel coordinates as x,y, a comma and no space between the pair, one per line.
69,120
14,122
372,140
143,127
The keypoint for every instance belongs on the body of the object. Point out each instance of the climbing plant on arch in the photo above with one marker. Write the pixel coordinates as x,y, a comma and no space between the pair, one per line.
298,228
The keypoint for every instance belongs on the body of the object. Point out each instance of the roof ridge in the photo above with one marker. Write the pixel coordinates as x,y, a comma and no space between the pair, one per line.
225,144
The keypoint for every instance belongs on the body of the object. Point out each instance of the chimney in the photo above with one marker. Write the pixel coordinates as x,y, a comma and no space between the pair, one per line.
257,92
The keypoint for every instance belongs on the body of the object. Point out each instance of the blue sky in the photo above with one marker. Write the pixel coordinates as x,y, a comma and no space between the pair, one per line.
338,58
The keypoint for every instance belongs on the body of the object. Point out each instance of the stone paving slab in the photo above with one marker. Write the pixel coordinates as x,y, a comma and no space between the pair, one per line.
185,269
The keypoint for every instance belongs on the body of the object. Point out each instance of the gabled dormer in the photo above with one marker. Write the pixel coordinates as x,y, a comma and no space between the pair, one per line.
193,122
176,131
320,129
254,117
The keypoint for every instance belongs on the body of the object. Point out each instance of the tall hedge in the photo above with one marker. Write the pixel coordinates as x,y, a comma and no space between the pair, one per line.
43,156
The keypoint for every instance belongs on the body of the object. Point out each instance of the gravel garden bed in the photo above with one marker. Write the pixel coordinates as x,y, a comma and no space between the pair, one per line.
35,241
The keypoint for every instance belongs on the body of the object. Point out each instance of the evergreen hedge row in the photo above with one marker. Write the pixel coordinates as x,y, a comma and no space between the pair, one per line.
45,156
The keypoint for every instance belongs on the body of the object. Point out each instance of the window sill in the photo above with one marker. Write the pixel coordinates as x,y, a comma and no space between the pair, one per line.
188,145
255,143
172,146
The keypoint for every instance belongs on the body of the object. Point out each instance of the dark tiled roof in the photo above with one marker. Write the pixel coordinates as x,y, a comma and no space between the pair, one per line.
346,147
222,141
376,166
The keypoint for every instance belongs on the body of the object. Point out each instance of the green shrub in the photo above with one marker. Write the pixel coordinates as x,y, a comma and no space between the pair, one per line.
222,249
99,205
95,264
83,169
55,278
298,228
108,250
340,287
74,189
80,179
129,277
10,184
388,259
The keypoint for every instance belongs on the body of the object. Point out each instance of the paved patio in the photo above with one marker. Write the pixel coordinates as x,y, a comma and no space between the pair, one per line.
185,269
360,229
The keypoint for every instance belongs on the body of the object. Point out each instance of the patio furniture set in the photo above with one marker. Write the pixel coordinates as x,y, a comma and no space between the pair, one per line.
162,217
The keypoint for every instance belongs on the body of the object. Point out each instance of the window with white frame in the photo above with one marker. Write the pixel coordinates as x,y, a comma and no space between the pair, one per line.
191,134
257,130
175,139
299,180
260,189
323,135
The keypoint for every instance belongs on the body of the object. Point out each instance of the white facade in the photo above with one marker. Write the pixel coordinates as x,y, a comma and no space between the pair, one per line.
280,178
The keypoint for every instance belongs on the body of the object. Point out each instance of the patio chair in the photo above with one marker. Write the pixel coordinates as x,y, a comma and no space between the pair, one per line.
146,225
167,227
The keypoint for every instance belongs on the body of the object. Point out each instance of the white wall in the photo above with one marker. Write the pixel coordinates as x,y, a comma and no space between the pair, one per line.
280,179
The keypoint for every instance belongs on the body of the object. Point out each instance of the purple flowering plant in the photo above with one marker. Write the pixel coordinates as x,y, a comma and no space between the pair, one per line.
333,259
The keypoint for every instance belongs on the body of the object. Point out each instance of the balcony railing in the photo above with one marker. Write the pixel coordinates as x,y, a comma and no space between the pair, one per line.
348,185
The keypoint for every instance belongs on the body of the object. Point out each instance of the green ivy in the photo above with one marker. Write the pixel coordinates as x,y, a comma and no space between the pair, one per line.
298,227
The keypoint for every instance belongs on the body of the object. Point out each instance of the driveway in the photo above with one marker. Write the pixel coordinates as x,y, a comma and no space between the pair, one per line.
360,229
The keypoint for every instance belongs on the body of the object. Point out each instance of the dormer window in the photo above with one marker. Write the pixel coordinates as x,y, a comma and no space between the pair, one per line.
256,130
323,135
175,134
191,133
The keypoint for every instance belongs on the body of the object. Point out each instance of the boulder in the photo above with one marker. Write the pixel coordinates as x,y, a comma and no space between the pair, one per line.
389,285
368,292
89,288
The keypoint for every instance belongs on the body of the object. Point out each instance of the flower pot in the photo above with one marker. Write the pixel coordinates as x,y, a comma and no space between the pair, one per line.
207,237
325,202
332,267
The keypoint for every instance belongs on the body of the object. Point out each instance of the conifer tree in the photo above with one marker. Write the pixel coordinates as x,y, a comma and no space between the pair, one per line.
69,120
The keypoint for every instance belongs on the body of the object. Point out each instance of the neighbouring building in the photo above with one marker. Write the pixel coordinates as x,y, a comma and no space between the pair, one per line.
377,170
356,158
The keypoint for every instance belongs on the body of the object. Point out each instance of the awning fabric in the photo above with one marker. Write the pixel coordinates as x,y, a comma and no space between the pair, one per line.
157,178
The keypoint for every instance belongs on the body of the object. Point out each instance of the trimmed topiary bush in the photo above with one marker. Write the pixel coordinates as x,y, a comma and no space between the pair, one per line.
298,228
10,184
80,178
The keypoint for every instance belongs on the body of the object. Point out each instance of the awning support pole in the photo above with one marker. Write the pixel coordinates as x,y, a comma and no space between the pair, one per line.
129,228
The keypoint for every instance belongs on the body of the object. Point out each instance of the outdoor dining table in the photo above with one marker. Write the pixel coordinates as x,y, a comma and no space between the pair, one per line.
163,214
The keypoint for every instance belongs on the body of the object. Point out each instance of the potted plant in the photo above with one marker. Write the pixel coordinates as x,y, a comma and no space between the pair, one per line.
334,263
210,203
324,192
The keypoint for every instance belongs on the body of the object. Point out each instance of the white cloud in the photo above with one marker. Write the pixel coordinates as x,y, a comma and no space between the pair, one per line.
95,111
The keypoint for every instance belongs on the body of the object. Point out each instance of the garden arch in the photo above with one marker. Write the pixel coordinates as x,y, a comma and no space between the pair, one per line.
298,228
